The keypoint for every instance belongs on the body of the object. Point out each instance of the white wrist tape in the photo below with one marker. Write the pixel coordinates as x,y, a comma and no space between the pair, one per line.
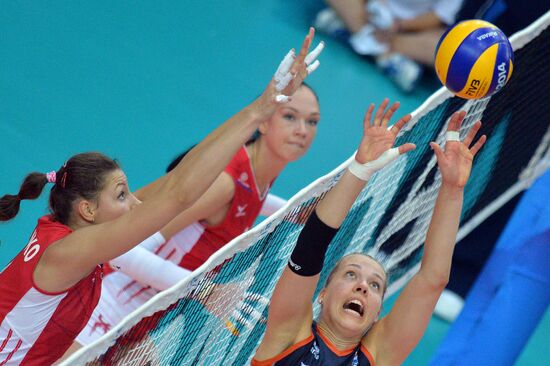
149,269
452,136
365,171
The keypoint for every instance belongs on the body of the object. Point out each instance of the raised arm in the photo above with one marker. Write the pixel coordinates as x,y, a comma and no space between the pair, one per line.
74,256
287,79
290,310
212,205
396,335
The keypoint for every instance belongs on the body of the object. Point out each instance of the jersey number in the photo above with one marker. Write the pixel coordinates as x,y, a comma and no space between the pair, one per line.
32,248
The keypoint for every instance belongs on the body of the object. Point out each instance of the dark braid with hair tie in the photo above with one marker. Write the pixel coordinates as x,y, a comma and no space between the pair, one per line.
88,172
30,189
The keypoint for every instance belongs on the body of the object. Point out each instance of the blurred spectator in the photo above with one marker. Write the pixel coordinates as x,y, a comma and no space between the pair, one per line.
400,35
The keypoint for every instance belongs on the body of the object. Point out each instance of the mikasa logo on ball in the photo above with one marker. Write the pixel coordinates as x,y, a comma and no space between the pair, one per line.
487,35
501,75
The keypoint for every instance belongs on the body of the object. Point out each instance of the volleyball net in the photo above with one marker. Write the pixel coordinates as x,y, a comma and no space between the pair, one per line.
217,316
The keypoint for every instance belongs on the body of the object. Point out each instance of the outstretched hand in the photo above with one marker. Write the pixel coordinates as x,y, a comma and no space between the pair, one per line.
236,308
377,138
455,162
293,70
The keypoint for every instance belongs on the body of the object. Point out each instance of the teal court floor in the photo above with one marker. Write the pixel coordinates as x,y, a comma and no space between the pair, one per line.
142,81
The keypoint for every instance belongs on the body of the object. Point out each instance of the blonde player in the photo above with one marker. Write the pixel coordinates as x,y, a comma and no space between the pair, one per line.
349,331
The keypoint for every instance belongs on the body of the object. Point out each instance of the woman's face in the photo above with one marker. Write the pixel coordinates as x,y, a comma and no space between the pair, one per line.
115,199
352,300
290,131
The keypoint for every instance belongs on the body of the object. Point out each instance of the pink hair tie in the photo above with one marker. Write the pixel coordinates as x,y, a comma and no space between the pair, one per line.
51,177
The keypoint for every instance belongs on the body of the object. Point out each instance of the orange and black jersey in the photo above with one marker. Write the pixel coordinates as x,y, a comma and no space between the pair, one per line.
316,350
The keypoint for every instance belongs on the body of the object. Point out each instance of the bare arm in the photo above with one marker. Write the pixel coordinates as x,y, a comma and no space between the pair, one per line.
73,257
146,267
398,333
211,206
290,311
352,13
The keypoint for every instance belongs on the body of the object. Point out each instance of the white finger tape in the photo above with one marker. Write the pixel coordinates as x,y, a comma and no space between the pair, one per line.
452,136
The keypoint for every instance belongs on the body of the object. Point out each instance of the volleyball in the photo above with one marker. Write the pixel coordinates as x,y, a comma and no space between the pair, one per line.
474,59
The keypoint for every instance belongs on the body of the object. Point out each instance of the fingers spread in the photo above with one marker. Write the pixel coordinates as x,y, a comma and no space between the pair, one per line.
406,148
452,136
284,67
399,124
368,116
305,46
389,113
285,80
456,121
313,67
380,112
293,67
478,145
472,133
312,56
437,150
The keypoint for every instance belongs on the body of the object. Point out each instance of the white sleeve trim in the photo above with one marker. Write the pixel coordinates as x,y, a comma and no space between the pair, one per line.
272,204
147,268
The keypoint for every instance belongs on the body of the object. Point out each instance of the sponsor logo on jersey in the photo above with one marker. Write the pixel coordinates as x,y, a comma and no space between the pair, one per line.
241,210
101,324
315,350
243,180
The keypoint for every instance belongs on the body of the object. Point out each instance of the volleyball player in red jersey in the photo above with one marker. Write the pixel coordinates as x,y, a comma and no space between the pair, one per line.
51,287
228,208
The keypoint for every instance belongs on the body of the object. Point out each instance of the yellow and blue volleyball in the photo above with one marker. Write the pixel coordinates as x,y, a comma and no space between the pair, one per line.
474,59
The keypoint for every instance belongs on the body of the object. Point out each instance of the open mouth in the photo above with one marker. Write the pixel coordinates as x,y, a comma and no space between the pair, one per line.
297,144
354,305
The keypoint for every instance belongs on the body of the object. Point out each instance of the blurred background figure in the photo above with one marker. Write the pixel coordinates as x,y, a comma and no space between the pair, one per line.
400,35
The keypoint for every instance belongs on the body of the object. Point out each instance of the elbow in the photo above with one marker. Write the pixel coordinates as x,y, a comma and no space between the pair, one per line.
436,281
440,282
184,199
180,191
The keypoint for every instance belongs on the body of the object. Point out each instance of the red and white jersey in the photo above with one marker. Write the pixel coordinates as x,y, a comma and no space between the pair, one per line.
245,208
189,248
36,326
